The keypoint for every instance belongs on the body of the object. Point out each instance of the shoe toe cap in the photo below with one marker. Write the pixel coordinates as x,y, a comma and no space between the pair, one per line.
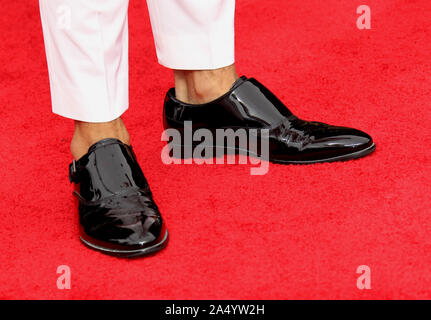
347,139
132,225
145,232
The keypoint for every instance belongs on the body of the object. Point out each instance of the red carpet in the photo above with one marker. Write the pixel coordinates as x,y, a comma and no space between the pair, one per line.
297,232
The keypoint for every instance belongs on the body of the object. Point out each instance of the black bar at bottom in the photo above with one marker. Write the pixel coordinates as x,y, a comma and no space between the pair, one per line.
214,309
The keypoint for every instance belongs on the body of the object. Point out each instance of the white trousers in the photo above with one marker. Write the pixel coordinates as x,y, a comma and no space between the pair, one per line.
86,44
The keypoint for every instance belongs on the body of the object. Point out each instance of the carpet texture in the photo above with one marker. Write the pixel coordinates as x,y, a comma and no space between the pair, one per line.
299,232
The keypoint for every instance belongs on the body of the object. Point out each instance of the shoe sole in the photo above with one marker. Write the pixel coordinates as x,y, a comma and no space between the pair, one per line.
344,157
129,253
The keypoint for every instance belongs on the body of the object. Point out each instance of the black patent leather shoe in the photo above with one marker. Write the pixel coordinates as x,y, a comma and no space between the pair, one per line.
117,213
250,105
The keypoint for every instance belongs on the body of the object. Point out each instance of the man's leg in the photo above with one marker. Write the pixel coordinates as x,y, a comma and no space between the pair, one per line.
86,45
196,39
201,86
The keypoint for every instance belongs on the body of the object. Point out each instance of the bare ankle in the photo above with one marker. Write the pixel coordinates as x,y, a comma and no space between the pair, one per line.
88,133
201,86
